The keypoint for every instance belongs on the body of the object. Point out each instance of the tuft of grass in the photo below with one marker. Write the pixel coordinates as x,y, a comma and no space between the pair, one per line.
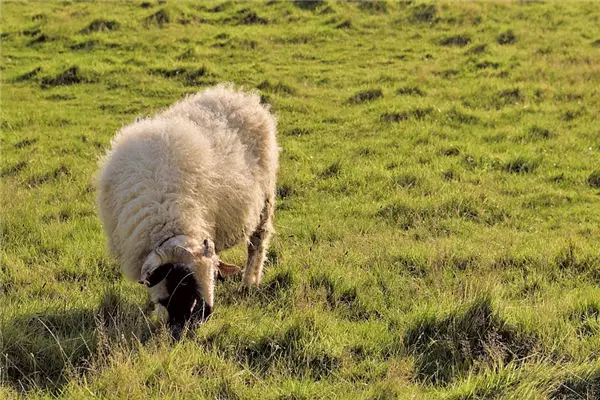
85,45
423,12
593,180
14,169
406,180
507,37
569,259
487,64
31,32
457,118
297,132
187,55
455,40
365,96
331,171
278,87
401,215
60,172
345,24
571,115
410,91
537,132
477,49
188,76
284,191
374,6
101,25
247,17
510,95
521,164
311,5
70,76
42,38
159,18
25,143
450,151
450,175
415,114
28,76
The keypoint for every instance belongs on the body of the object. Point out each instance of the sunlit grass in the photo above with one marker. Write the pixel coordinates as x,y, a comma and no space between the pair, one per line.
438,206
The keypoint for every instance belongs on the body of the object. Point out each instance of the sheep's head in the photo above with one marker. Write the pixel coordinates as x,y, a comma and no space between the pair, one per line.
188,271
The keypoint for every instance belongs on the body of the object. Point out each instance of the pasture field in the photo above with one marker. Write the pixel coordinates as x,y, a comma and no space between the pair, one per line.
438,210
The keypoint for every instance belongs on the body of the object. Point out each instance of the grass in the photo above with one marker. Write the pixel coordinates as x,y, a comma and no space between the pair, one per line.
437,210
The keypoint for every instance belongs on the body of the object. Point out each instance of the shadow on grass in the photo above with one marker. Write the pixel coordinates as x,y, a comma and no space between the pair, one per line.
345,300
447,347
585,386
276,289
45,350
295,350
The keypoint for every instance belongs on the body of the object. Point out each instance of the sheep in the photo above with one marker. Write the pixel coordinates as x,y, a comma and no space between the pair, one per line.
176,189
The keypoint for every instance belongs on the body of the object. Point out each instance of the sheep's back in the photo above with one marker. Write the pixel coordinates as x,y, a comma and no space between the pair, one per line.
154,183
243,116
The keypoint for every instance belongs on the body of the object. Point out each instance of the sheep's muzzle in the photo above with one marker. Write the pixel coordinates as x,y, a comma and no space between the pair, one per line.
184,304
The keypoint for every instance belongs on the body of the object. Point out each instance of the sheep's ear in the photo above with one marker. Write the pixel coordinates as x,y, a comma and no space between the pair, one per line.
227,269
157,275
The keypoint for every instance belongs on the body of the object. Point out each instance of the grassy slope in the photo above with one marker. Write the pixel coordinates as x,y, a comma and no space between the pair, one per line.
438,213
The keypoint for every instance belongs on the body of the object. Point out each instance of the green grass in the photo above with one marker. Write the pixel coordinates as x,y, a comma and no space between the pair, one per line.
438,207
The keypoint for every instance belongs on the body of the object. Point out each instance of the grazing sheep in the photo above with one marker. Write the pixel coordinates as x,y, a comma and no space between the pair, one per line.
177,188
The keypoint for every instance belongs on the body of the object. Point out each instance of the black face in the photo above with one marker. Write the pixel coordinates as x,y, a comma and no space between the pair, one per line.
185,302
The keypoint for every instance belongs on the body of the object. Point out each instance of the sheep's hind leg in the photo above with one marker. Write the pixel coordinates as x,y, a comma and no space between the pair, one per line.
259,240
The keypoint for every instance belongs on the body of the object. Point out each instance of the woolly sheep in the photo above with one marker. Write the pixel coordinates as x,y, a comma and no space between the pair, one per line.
176,189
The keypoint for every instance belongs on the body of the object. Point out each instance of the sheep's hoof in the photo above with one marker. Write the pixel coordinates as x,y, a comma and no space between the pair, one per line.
246,290
252,284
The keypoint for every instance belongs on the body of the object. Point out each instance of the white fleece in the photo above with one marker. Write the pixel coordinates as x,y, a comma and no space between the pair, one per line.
203,168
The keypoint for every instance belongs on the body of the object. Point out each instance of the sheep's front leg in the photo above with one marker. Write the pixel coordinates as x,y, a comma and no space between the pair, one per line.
258,246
